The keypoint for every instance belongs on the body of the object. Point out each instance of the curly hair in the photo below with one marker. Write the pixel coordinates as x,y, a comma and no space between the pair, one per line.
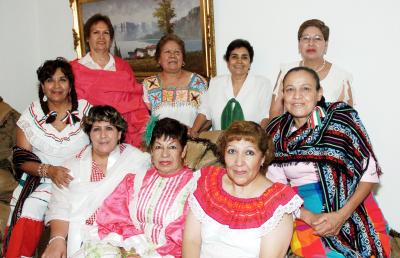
46,71
248,131
107,114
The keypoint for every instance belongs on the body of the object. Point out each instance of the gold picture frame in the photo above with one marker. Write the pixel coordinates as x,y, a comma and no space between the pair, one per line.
200,47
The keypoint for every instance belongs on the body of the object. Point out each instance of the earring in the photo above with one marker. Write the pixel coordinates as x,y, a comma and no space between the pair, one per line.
44,98
183,64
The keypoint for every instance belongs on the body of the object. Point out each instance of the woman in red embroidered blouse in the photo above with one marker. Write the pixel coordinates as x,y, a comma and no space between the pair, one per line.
235,211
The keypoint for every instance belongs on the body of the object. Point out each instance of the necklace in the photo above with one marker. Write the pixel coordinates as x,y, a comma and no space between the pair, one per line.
319,69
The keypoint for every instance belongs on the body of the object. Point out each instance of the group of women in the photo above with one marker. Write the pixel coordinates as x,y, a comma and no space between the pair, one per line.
105,198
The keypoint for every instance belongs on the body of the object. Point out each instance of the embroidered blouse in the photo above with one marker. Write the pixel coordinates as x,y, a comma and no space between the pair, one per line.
178,103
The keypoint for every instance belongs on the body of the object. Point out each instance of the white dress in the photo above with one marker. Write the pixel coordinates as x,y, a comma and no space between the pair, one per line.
335,85
52,147
231,226
254,98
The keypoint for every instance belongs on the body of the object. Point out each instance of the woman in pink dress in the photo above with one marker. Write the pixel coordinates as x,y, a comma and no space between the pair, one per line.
144,213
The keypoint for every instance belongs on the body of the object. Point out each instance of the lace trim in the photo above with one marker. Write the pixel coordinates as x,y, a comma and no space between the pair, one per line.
291,207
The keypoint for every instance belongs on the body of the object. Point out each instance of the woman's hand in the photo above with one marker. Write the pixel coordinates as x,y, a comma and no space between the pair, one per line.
328,224
56,249
59,175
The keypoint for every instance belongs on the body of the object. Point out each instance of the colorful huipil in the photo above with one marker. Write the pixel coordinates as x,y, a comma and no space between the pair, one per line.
177,103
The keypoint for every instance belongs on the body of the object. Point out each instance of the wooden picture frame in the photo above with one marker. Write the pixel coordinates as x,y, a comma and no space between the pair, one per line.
137,31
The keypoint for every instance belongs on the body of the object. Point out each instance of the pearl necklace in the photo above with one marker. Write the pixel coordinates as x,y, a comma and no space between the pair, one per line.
319,69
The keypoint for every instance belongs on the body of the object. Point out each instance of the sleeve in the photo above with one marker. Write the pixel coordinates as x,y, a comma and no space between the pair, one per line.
145,93
174,236
278,84
205,101
370,175
276,174
114,216
59,207
348,88
265,96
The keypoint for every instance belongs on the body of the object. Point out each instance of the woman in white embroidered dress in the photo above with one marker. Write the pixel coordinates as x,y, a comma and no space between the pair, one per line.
313,37
174,92
96,172
48,133
239,95
237,212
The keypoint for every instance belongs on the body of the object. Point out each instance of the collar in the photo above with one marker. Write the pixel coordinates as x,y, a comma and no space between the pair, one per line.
88,61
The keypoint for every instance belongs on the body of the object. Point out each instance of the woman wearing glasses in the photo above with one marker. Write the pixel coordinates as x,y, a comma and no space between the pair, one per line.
313,37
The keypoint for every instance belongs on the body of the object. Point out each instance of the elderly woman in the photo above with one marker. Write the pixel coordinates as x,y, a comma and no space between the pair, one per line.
174,92
323,151
145,214
96,172
235,211
238,96
313,37
104,79
49,132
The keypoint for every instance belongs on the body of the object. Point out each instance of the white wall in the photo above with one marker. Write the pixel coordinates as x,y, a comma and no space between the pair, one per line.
33,31
365,39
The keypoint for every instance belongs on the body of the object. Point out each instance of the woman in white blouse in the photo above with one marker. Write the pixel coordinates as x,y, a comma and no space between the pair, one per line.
313,37
237,96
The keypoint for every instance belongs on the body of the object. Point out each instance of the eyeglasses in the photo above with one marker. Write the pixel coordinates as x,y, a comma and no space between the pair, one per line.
308,38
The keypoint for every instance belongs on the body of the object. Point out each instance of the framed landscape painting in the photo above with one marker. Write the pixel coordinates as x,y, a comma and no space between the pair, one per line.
139,24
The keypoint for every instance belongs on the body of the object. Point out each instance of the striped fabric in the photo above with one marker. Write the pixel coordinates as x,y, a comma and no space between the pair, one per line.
162,200
341,148
26,186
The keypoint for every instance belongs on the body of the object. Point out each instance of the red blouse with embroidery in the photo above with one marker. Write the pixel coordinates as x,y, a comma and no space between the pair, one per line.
238,213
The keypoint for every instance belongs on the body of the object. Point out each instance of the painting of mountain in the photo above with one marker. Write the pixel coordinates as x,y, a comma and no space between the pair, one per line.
137,27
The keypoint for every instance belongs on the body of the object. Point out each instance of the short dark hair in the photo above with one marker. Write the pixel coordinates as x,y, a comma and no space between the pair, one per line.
315,76
164,40
248,131
46,71
314,23
168,127
107,114
313,73
238,43
92,21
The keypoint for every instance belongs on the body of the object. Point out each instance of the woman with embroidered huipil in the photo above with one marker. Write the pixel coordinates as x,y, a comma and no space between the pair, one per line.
237,96
49,132
105,79
175,92
235,211
323,151
313,38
